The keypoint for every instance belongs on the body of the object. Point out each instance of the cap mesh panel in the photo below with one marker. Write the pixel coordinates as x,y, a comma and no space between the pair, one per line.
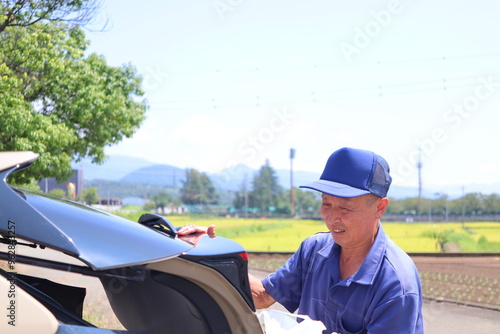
381,180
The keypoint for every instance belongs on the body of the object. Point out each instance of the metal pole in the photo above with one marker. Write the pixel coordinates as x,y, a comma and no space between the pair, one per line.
463,206
447,208
419,167
292,196
246,198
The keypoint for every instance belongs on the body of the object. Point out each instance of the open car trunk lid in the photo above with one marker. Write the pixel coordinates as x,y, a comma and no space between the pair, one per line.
101,240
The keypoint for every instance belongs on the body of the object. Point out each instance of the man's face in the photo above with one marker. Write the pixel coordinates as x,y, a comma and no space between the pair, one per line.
353,222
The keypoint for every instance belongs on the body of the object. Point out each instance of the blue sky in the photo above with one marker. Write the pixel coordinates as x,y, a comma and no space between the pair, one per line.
239,81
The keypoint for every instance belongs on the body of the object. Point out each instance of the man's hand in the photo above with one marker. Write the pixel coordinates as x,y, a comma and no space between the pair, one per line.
192,228
261,298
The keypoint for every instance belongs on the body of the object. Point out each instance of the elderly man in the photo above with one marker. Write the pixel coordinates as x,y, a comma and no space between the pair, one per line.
352,278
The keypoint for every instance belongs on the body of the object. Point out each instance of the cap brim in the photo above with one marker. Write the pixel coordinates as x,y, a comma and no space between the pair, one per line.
335,189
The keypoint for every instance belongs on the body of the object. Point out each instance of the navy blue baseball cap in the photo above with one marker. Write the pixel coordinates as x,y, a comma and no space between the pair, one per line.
351,172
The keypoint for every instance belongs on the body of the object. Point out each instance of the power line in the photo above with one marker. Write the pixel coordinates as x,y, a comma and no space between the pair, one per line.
314,96
316,66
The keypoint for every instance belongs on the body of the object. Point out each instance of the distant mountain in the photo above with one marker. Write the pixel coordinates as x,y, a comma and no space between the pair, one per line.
137,170
113,169
119,168
300,178
167,175
233,178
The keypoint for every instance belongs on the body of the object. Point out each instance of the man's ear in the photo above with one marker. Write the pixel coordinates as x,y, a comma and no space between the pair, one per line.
382,206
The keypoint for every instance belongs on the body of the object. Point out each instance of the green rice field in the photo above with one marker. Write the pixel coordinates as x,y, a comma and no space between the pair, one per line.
285,235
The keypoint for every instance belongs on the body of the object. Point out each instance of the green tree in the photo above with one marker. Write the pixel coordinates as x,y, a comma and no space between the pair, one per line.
412,205
90,196
58,102
198,189
473,203
163,199
491,204
470,204
241,199
149,206
283,204
455,206
306,202
23,13
440,204
266,189
395,206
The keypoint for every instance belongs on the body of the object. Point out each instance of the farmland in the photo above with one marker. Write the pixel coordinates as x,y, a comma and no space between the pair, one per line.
285,235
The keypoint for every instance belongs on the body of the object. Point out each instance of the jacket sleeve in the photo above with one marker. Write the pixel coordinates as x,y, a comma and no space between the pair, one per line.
285,285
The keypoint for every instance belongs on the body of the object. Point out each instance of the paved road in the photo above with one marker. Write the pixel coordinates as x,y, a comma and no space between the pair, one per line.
449,318
446,318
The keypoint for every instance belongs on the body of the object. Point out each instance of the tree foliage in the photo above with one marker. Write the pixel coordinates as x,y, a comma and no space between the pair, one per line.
163,199
469,204
55,100
23,13
198,189
90,196
306,202
267,196
265,189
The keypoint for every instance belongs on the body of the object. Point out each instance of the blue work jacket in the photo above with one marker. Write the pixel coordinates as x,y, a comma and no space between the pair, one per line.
383,296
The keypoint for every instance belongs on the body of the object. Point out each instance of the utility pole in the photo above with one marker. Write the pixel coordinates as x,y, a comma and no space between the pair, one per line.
419,167
447,208
463,206
292,197
246,197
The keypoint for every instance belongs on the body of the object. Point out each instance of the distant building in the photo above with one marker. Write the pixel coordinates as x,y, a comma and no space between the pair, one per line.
170,209
110,201
109,204
72,186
